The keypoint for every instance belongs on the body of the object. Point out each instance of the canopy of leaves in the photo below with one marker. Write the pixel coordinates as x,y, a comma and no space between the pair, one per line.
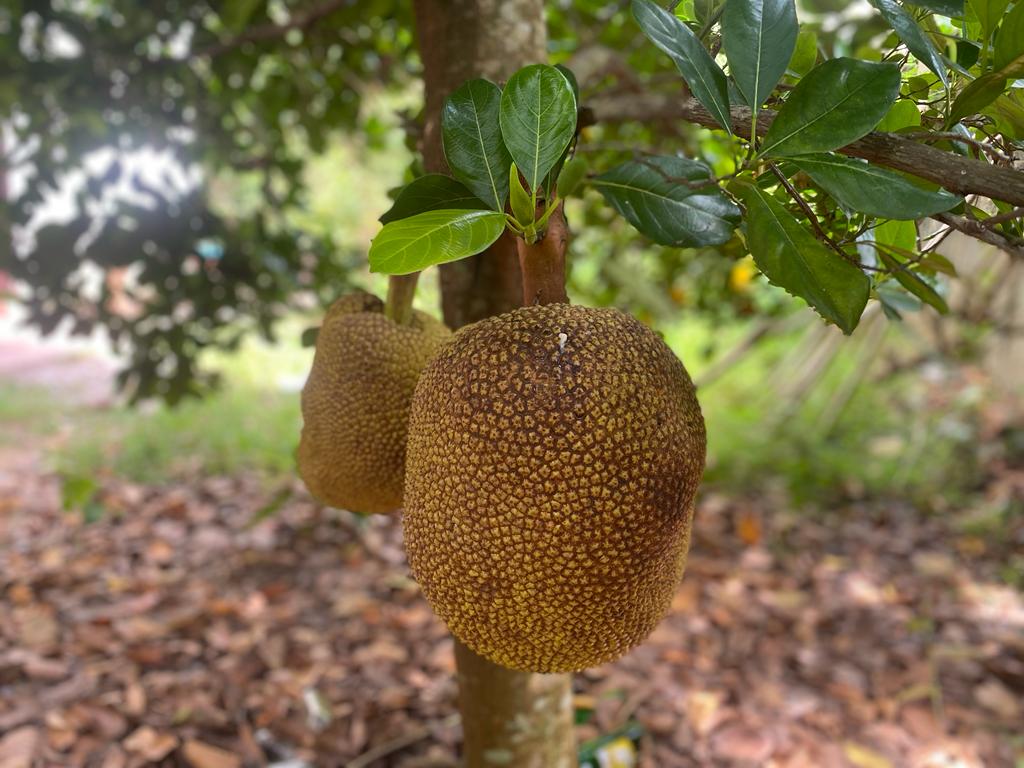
261,88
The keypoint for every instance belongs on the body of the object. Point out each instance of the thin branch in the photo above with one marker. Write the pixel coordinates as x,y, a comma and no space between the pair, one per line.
977,230
962,175
999,218
815,224
953,136
273,31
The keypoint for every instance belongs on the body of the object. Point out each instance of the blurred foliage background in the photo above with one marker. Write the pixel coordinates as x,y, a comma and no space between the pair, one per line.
230,177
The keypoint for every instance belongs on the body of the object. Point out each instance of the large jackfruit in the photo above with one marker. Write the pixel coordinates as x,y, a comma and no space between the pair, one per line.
554,455
355,405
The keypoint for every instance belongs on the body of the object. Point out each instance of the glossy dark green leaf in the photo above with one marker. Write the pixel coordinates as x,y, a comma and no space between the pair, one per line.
569,75
472,141
1009,49
430,193
872,190
952,8
915,284
705,78
556,170
759,37
538,119
434,237
663,198
917,42
836,103
976,96
791,258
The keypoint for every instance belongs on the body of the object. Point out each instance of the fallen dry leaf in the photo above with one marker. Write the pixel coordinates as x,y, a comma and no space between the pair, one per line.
201,755
18,747
862,757
150,743
740,743
997,698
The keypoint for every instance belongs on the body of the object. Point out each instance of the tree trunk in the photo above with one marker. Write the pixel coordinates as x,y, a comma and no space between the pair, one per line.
460,40
509,718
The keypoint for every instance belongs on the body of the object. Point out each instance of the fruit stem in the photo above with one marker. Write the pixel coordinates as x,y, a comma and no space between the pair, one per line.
543,263
401,292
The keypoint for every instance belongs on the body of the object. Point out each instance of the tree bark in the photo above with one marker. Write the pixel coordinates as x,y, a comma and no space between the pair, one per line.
963,175
509,718
460,40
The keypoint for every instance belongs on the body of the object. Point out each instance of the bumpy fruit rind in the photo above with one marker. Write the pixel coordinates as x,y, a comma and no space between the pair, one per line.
355,404
554,455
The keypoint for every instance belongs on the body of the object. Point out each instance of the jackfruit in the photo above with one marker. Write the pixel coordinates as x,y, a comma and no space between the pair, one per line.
553,460
355,404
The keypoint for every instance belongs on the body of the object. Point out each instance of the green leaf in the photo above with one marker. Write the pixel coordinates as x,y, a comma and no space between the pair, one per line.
913,37
235,14
952,8
1010,43
522,206
1008,113
805,55
976,96
759,37
903,114
572,175
791,258
654,197
570,76
434,237
988,13
430,193
875,191
538,119
309,336
472,141
938,263
901,235
838,101
705,78
914,284
77,491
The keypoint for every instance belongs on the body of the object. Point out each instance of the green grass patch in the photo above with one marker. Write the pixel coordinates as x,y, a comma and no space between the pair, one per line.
883,440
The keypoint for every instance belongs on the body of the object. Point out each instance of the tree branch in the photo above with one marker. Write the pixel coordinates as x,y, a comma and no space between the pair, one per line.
963,175
273,31
977,230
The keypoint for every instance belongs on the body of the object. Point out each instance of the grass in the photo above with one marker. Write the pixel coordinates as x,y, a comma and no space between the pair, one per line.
880,444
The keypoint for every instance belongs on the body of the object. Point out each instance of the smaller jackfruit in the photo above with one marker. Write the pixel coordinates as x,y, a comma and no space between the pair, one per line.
355,404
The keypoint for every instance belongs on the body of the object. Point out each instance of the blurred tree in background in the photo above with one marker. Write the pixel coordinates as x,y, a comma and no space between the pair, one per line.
246,96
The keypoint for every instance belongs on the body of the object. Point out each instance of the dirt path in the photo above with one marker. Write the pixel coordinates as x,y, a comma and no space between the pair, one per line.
78,374
178,631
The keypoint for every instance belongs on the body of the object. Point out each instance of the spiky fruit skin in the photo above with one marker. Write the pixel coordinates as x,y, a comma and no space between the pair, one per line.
355,404
553,459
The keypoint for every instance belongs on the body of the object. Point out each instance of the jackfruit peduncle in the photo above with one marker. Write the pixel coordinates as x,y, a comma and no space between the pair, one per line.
543,263
401,292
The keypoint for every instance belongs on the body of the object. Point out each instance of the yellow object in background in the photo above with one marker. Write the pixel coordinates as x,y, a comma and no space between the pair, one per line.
741,274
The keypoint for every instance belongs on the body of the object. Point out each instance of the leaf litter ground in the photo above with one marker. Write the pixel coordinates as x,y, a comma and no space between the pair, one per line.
175,631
